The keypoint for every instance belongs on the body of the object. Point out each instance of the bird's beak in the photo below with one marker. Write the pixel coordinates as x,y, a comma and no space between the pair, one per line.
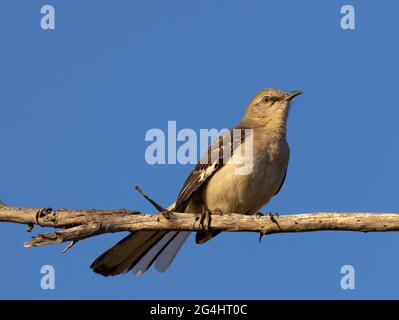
292,94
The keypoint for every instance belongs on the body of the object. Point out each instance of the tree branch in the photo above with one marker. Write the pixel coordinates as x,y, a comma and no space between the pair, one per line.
75,225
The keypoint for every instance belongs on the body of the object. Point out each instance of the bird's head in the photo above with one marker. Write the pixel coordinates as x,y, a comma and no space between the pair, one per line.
269,103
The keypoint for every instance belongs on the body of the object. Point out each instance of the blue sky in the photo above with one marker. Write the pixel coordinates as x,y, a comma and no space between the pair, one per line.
76,102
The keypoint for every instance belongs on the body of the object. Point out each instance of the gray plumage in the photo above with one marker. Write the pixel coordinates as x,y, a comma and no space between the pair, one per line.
216,184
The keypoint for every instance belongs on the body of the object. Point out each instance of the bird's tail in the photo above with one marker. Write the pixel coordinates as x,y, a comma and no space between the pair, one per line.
139,250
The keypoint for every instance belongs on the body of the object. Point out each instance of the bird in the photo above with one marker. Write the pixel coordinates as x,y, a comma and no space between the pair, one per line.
215,185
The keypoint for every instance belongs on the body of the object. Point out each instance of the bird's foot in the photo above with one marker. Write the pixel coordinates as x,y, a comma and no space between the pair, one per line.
208,217
205,219
259,214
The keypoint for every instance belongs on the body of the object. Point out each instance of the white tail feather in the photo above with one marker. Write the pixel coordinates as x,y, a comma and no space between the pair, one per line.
145,261
166,257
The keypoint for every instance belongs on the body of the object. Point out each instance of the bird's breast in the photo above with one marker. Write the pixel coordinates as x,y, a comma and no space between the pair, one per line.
230,191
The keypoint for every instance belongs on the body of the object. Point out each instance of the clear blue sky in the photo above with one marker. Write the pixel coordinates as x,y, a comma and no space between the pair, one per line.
76,102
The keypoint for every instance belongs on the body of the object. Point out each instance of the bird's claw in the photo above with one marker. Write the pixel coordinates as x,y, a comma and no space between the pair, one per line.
206,220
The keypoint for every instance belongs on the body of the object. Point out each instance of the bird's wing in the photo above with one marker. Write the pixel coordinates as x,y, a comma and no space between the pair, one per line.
215,158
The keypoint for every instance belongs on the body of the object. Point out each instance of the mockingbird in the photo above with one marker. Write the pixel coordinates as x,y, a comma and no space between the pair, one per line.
216,186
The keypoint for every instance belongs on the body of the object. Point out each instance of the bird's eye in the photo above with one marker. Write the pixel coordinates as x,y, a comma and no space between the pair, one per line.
266,99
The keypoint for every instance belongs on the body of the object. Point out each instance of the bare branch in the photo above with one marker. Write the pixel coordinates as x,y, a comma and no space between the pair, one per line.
75,225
